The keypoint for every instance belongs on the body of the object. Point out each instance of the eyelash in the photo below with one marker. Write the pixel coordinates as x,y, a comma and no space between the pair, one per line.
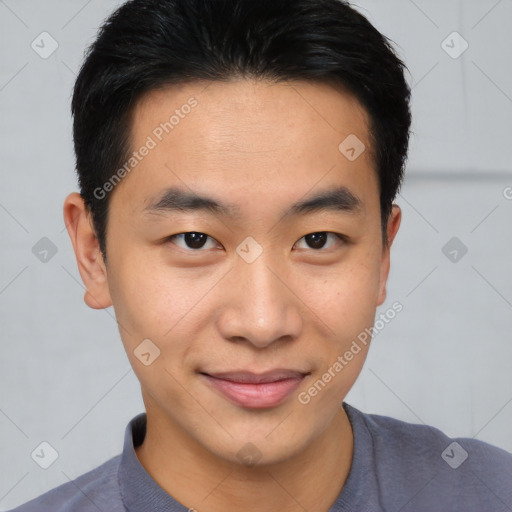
341,238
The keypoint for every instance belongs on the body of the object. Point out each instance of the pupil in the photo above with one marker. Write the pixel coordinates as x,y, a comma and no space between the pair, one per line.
316,240
195,240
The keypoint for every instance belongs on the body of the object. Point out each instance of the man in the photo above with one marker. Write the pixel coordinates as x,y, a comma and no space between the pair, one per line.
238,162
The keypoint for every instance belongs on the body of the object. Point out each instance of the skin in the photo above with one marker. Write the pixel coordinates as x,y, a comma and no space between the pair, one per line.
260,146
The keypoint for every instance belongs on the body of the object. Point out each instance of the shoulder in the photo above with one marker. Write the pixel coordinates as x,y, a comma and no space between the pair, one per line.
95,490
390,434
420,463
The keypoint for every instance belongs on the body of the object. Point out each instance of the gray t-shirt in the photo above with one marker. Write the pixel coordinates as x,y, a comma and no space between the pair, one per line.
396,467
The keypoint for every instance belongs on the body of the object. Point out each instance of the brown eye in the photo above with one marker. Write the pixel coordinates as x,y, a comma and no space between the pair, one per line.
320,240
193,240
316,240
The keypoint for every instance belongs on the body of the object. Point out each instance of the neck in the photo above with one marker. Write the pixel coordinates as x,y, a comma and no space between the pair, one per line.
310,480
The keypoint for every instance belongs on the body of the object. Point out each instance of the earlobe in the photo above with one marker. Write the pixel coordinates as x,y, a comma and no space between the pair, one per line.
87,252
391,231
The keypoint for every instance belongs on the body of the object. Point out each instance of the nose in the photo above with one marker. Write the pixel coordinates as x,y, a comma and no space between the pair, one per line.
261,307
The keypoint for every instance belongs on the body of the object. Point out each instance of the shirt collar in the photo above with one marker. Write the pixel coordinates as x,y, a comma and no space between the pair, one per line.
140,493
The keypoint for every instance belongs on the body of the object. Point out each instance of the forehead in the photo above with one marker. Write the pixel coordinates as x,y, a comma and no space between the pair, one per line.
252,140
256,107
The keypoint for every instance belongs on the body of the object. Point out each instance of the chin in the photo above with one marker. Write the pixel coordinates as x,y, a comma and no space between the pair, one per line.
262,444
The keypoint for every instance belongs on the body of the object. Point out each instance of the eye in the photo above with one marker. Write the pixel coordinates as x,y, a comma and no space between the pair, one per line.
193,240
319,240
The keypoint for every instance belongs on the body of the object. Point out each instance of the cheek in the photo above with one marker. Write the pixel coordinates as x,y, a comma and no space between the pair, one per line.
152,303
345,298
156,301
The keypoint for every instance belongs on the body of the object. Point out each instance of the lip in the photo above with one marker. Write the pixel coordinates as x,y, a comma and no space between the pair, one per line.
255,391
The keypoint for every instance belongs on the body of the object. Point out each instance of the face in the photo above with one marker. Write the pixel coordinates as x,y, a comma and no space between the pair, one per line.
247,247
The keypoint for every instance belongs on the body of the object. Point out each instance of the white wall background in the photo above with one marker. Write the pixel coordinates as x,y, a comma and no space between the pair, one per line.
446,358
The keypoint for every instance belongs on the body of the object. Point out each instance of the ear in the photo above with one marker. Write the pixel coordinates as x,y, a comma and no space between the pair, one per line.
91,266
391,229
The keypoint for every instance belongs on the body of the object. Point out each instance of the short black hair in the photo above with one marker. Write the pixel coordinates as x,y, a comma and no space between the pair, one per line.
148,44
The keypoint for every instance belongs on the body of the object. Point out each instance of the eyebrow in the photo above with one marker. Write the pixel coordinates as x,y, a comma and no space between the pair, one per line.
175,199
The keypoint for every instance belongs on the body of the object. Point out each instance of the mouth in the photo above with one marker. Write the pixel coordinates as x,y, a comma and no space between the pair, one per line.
255,391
